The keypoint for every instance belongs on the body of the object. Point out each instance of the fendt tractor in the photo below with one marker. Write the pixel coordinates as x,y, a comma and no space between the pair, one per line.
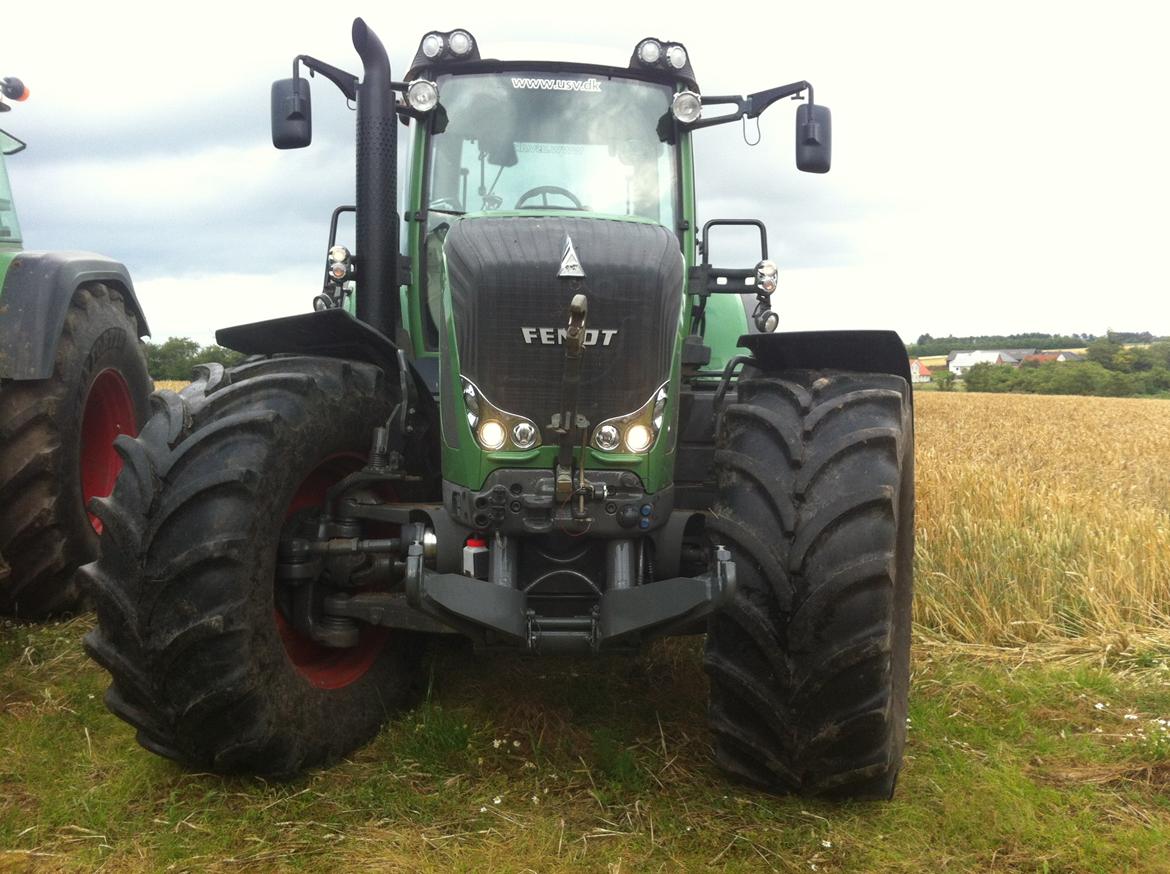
72,378
548,422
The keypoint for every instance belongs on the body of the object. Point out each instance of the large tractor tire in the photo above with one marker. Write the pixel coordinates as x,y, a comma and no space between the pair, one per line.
204,664
57,452
809,664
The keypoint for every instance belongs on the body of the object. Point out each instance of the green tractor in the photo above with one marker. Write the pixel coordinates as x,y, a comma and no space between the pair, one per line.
546,422
72,378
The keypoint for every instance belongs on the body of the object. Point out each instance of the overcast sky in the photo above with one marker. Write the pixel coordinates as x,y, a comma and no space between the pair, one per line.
998,167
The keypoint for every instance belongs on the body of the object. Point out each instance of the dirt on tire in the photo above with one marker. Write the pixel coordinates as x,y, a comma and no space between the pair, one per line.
47,468
189,625
809,664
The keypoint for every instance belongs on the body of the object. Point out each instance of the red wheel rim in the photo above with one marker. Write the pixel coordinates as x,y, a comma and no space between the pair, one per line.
328,667
109,411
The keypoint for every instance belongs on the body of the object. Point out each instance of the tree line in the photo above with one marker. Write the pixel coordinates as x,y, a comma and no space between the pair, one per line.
176,357
928,345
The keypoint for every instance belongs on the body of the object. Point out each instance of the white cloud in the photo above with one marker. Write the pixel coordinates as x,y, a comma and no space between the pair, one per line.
195,306
998,167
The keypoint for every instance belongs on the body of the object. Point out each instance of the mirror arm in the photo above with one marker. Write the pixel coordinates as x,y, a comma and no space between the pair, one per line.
346,82
751,106
761,100
741,106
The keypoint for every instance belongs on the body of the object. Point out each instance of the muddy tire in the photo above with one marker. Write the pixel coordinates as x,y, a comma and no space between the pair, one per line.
56,452
203,663
809,664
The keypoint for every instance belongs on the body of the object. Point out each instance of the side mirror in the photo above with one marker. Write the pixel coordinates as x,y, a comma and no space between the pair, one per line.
292,114
814,138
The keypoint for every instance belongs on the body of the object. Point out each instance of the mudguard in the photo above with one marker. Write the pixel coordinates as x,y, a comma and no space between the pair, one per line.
37,290
861,351
335,334
328,333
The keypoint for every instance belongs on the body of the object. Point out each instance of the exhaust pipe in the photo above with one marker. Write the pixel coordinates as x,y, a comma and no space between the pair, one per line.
377,187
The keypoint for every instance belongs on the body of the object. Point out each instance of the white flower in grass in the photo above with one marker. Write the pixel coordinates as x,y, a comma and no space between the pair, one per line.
497,800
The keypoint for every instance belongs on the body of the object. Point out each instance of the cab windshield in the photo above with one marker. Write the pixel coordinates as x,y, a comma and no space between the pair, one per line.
553,141
9,228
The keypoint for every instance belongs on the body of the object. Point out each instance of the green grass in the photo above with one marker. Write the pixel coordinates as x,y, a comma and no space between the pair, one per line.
511,765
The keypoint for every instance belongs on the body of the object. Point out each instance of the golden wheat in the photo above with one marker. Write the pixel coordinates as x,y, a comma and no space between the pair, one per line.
170,384
1042,518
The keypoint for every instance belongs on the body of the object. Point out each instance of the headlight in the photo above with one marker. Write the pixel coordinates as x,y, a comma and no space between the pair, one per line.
432,45
461,42
492,434
607,438
766,276
524,435
422,95
686,106
649,51
494,428
637,438
471,401
636,431
676,56
338,263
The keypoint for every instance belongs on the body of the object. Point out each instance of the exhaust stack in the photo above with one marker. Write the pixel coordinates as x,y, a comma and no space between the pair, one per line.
377,186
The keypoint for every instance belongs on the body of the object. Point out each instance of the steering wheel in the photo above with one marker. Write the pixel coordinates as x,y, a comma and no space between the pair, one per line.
543,191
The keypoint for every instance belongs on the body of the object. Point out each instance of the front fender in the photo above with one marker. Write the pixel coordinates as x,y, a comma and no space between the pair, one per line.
37,290
860,351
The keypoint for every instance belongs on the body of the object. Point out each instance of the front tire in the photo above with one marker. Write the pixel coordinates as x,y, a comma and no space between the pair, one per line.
57,452
202,661
809,664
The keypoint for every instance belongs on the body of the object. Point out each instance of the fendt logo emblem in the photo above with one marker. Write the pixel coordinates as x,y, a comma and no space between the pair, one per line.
570,263
556,336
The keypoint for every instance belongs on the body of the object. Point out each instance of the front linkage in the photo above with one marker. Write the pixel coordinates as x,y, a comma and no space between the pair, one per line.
323,573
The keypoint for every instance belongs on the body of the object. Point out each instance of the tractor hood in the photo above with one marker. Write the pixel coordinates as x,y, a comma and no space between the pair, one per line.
511,279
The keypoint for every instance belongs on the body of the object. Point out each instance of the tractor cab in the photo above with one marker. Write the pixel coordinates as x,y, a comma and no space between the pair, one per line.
12,89
9,226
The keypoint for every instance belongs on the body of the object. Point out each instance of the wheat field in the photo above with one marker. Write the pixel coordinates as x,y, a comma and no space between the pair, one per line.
1043,519
170,384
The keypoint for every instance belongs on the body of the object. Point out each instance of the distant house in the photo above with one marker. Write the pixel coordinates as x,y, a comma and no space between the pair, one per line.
1054,355
961,362
1018,354
934,362
919,372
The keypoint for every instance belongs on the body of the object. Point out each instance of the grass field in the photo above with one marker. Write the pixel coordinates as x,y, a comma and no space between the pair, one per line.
1040,713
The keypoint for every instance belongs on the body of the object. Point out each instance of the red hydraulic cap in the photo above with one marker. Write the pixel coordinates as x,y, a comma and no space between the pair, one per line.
473,542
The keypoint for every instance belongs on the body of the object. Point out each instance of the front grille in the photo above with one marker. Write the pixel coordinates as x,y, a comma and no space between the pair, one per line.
504,279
